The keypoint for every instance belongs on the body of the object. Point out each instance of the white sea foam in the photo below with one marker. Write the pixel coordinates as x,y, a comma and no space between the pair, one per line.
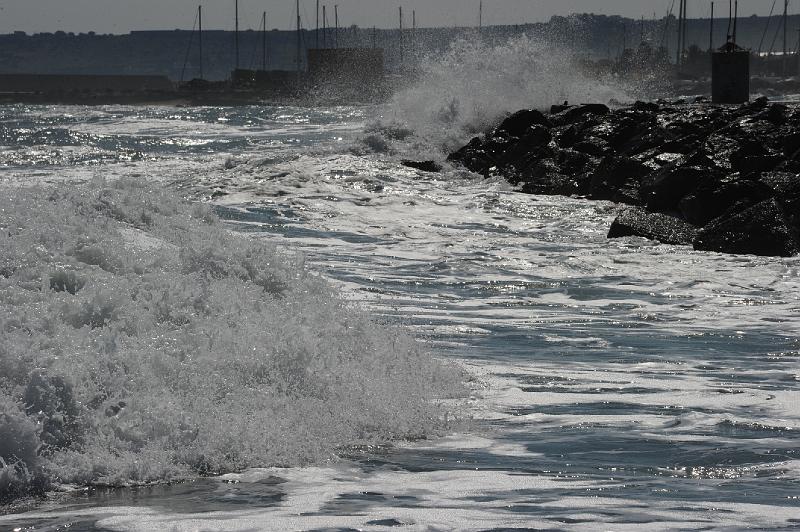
150,344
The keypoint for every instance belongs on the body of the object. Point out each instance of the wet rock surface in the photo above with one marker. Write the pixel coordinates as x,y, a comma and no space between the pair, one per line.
425,166
635,221
721,178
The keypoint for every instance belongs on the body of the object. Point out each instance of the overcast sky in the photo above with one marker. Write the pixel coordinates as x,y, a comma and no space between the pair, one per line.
122,16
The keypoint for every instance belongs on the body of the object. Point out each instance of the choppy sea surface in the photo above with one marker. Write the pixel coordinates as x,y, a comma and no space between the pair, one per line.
618,384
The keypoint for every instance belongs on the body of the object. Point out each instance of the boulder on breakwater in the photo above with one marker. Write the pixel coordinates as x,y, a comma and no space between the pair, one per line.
721,178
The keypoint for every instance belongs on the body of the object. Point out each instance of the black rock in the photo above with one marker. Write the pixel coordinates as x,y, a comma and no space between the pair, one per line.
648,107
752,108
760,230
756,163
535,138
634,221
719,148
781,184
557,108
425,166
755,154
572,162
537,174
646,140
518,123
791,145
520,165
663,189
790,166
716,197
680,128
618,178
474,157
619,130
567,136
776,113
459,155
749,147
786,188
550,182
698,158
594,146
685,144
499,142
757,104
574,114
712,166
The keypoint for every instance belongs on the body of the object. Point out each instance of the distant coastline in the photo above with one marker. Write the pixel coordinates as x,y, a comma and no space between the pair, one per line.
164,53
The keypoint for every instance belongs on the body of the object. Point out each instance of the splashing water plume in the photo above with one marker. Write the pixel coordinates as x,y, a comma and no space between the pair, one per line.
473,84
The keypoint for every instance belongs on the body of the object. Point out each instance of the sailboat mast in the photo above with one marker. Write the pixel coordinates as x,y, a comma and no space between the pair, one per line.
200,33
711,31
401,35
785,21
730,19
324,26
317,25
641,29
264,43
684,45
680,25
236,33
480,15
414,32
336,31
298,35
685,23
624,37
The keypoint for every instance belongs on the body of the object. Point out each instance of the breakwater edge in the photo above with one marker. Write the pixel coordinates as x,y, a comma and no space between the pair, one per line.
719,178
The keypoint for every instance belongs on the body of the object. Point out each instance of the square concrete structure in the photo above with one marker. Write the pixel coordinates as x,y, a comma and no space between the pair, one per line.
730,75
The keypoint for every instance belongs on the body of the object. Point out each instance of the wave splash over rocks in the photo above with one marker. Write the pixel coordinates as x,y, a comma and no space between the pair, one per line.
474,84
140,341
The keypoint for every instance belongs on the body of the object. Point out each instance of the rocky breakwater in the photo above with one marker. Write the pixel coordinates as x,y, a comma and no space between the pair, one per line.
720,178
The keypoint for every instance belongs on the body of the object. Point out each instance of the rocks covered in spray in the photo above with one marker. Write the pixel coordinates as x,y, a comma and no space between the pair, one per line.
721,178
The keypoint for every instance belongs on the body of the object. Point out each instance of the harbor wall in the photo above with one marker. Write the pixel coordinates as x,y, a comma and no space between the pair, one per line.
64,83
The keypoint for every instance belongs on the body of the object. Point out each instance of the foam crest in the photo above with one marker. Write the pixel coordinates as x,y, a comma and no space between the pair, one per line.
141,341
474,83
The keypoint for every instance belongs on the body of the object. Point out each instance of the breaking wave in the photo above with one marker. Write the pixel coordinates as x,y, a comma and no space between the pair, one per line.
141,341
467,89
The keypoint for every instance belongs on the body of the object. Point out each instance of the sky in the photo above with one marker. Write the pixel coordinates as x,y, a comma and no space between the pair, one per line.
122,16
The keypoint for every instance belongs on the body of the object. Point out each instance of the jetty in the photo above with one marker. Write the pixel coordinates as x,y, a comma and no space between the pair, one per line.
718,178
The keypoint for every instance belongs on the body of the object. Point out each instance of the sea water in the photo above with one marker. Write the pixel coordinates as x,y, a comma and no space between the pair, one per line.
607,384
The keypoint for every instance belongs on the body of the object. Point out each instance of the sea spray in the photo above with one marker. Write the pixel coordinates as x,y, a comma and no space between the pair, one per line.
141,341
467,89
